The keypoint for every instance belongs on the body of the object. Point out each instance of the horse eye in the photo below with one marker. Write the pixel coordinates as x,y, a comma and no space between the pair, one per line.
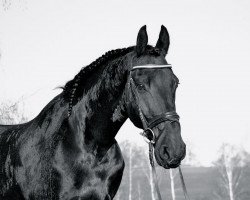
140,87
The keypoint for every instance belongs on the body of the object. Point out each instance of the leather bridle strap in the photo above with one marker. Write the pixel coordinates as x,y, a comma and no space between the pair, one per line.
168,116
151,140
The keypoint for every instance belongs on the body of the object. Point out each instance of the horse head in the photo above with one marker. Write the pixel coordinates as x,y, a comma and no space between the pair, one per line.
151,99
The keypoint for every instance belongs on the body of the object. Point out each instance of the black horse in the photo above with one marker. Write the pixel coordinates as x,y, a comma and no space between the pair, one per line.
69,150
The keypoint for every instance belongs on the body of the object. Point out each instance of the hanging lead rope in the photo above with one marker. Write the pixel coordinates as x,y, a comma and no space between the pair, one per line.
183,184
151,158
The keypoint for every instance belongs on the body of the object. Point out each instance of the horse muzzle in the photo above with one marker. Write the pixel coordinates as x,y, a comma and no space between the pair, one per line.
170,149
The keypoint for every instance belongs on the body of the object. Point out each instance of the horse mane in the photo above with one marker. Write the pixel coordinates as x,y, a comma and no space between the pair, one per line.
75,88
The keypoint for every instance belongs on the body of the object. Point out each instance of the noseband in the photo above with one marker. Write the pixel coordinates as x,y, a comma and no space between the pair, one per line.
148,133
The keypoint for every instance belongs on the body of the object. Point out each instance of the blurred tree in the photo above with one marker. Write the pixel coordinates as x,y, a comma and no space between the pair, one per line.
11,113
8,4
190,158
230,167
245,192
137,182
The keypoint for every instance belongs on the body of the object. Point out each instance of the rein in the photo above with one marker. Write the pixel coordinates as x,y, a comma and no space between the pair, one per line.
148,133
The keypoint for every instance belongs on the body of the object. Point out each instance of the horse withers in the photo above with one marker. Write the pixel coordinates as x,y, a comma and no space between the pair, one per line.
69,150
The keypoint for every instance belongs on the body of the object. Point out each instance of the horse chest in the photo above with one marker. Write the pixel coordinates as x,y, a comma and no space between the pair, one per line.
86,178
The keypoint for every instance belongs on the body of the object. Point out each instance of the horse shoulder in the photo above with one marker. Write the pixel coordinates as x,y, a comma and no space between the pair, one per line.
84,175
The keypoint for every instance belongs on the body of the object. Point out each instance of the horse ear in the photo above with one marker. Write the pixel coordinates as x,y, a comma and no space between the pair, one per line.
142,40
163,41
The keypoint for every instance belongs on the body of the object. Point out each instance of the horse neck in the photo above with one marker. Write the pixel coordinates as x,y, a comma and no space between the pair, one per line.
100,113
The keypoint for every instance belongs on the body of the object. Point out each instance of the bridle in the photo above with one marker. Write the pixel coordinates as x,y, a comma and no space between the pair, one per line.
148,133
148,125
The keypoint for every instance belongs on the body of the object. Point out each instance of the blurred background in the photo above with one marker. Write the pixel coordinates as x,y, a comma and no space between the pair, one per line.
43,44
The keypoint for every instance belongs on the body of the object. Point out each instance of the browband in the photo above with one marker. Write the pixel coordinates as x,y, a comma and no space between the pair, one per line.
151,66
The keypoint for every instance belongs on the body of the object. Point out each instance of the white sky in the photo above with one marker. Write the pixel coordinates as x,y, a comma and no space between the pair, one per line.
44,43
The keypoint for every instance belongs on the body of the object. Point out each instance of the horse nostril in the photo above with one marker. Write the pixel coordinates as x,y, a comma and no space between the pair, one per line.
173,162
164,152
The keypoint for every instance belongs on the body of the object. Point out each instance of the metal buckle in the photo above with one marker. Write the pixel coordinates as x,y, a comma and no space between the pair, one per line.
148,135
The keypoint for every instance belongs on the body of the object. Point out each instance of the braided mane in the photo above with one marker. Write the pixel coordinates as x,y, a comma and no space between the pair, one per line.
74,88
